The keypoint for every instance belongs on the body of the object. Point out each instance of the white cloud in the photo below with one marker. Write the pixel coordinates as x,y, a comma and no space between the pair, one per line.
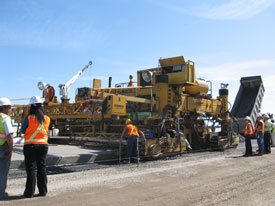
233,9
235,70
269,82
232,73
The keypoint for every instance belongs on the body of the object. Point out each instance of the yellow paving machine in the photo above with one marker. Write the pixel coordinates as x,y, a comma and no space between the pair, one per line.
172,107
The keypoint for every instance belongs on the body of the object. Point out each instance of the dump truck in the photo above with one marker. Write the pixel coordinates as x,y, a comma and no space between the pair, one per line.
169,104
248,100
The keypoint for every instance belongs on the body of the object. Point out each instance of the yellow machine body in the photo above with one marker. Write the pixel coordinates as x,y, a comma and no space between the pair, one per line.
116,105
168,103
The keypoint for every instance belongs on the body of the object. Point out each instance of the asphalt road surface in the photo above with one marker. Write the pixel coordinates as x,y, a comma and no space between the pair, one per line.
208,178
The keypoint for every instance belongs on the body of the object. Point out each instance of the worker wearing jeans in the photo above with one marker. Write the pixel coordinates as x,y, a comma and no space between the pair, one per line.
259,130
132,141
6,144
260,141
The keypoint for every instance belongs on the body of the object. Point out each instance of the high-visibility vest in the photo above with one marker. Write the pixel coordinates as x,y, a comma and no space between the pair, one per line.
37,133
3,136
256,128
248,129
268,126
132,130
273,127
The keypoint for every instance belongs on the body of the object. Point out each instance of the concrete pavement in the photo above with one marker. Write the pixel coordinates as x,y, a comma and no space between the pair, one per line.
62,154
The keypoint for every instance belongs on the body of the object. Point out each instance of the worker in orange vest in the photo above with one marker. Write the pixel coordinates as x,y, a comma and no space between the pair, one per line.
131,82
259,131
248,132
35,127
132,140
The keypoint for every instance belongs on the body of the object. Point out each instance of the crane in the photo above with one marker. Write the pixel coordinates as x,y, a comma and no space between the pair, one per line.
64,88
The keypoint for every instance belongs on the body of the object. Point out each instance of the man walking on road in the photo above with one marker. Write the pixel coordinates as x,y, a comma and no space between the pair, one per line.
6,144
259,131
132,141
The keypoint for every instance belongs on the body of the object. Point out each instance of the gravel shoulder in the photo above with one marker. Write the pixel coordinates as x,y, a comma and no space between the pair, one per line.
211,178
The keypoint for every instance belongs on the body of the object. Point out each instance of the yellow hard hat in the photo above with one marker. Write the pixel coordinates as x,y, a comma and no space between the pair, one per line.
128,121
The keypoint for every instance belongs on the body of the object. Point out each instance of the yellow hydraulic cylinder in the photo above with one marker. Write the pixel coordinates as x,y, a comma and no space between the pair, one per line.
200,87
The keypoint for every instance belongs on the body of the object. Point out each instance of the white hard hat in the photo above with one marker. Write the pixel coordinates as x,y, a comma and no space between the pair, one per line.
35,100
266,116
258,115
4,101
247,118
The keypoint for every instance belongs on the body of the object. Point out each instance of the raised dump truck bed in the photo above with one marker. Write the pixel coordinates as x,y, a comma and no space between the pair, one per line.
248,100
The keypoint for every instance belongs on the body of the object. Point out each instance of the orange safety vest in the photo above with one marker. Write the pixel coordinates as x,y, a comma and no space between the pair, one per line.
256,128
132,130
131,83
37,133
248,129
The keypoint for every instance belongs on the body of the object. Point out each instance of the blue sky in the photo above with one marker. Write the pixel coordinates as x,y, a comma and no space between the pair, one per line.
51,40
